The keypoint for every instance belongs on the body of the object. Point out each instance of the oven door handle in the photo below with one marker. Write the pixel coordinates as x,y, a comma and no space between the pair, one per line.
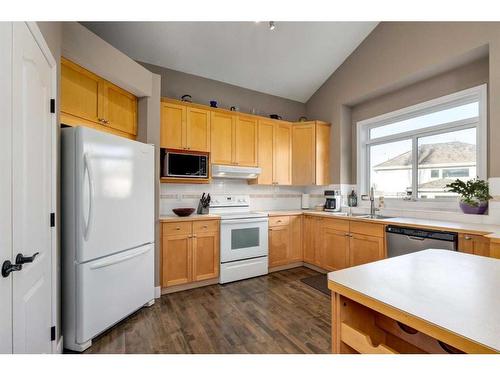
244,221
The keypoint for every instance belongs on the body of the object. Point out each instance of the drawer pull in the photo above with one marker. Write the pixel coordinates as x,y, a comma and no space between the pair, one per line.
468,238
177,228
205,226
407,329
361,342
449,349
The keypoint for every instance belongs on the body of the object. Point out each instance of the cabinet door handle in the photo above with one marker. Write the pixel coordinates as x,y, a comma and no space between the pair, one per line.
467,238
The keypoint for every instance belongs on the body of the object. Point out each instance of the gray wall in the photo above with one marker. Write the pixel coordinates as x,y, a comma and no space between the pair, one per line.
399,54
174,84
464,77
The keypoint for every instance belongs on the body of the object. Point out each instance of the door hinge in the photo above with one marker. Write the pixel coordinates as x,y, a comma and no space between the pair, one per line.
52,106
53,333
52,219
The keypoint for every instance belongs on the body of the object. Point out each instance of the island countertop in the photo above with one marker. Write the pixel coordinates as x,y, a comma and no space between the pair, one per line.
455,292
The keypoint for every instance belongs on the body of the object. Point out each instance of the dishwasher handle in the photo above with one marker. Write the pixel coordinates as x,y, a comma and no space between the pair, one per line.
416,233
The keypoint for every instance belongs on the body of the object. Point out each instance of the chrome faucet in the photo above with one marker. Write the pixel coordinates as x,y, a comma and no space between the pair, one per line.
371,198
372,203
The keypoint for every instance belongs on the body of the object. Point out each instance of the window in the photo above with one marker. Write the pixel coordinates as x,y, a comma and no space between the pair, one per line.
414,152
455,173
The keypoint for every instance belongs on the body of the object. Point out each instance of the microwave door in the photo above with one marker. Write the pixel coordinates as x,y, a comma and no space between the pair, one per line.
186,165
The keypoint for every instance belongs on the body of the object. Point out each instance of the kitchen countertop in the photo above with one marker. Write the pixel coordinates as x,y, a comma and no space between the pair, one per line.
167,218
488,230
455,291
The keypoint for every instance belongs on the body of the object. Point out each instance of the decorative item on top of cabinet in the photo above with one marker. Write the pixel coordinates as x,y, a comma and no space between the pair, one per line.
89,100
190,251
274,152
311,153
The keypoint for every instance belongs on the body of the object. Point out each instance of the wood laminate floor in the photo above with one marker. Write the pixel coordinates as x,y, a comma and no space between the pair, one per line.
276,313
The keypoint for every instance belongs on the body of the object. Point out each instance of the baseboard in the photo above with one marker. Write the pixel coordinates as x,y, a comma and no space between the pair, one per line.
315,268
157,292
286,267
59,347
197,284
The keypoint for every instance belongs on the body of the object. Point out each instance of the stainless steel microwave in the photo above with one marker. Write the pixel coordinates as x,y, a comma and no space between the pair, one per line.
184,164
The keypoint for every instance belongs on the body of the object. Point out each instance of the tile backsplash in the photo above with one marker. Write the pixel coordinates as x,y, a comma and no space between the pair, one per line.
261,197
289,197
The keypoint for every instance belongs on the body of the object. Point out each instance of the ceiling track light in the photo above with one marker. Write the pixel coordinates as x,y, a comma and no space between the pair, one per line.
272,25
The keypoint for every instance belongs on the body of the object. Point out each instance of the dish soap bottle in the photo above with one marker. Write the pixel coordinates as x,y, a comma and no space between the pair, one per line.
352,199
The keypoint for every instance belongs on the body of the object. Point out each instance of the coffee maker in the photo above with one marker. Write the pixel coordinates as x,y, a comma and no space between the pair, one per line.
332,203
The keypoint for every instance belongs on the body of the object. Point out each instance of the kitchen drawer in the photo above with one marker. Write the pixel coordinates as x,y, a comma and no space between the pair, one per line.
278,221
207,226
336,224
176,228
361,342
368,229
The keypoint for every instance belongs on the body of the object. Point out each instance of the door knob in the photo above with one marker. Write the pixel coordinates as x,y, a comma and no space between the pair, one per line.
8,267
20,259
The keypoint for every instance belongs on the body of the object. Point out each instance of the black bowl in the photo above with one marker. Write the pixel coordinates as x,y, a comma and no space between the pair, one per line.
186,211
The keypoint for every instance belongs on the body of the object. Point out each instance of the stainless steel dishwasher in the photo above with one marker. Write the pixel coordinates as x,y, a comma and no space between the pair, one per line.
403,240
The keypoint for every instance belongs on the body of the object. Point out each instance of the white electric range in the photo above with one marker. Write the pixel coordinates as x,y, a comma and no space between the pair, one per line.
243,238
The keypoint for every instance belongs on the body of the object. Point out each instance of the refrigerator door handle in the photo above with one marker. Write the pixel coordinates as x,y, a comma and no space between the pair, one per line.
88,224
107,263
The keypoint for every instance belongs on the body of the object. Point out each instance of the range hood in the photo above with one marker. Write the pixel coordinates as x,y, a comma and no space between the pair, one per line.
231,171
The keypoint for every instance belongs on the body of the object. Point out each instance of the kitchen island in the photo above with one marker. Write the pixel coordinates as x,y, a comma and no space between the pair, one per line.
433,301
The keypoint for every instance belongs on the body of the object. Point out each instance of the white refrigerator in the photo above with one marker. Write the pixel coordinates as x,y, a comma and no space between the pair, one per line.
107,220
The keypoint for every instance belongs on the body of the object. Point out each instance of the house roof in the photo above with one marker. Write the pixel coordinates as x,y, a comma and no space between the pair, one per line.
453,153
436,184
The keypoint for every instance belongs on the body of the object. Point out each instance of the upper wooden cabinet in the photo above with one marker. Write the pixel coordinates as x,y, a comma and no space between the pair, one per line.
311,153
222,138
245,142
81,92
274,152
89,100
233,139
184,127
173,129
120,109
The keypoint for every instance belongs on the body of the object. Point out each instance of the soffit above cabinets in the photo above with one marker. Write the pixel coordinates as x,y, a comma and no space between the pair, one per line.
292,61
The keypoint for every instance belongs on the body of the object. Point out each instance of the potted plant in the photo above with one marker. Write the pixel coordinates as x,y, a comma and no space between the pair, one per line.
474,195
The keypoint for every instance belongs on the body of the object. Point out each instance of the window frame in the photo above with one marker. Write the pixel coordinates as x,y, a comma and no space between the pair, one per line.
363,128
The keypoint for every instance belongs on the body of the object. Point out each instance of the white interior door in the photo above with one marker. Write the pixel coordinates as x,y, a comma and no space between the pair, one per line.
31,181
5,184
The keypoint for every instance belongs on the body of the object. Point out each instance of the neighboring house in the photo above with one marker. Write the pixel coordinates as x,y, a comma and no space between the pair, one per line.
438,165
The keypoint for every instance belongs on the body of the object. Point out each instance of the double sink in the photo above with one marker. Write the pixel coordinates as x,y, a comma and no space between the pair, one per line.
360,216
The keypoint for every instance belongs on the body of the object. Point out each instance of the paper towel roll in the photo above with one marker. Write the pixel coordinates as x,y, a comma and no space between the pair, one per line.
305,201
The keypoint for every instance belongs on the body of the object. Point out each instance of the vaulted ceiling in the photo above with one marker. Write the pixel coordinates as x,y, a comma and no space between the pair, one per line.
291,61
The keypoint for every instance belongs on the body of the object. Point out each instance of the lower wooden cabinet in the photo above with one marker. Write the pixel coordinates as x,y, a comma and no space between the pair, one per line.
190,252
365,249
279,245
334,249
177,260
333,244
473,244
285,240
